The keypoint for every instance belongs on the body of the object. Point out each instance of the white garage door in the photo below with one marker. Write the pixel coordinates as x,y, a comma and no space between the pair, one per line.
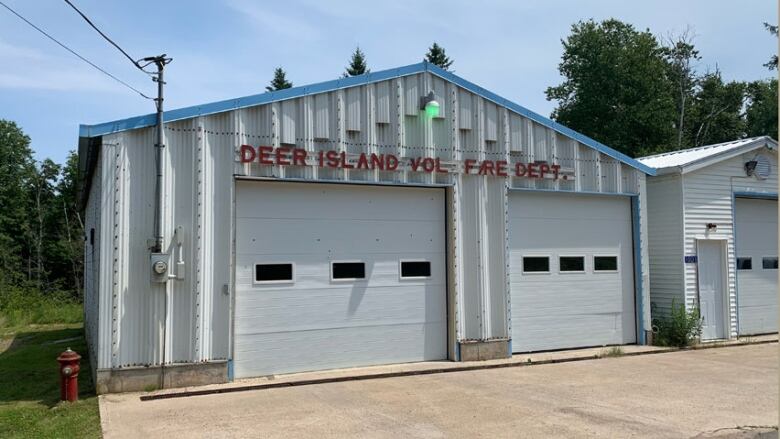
756,245
571,271
331,276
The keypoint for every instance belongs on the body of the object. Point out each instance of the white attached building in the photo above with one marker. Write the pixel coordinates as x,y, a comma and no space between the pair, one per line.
340,224
712,221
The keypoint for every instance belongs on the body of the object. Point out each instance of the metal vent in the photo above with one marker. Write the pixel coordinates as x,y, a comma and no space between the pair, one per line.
763,167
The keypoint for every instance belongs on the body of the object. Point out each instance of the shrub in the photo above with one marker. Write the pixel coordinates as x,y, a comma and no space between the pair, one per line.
614,351
23,306
678,329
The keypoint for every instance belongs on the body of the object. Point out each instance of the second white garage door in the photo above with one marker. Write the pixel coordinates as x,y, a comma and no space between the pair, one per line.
571,271
331,276
756,244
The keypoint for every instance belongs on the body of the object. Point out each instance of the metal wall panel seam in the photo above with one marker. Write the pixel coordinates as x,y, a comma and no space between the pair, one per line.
638,299
457,272
644,252
199,267
507,299
115,263
105,233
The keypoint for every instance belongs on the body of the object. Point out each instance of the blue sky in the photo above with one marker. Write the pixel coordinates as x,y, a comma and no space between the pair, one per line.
229,48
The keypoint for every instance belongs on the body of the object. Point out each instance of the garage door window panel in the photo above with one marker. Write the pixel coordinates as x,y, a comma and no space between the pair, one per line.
347,271
606,264
769,262
571,264
274,273
415,269
536,265
744,263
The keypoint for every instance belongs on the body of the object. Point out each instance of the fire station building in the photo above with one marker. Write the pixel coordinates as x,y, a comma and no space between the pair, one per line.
398,216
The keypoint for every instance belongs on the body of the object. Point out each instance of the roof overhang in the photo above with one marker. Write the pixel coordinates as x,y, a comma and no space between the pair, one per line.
695,165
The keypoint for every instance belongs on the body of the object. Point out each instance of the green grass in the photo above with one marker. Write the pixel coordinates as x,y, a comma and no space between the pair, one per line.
24,306
29,383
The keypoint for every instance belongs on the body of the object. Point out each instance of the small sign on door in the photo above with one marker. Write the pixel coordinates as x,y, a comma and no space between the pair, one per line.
691,259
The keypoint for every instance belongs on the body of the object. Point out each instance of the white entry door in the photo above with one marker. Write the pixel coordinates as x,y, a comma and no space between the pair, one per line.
336,275
711,288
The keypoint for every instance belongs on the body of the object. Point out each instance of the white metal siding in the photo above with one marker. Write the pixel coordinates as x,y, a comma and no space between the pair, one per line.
92,272
756,237
707,198
201,160
665,242
558,310
318,323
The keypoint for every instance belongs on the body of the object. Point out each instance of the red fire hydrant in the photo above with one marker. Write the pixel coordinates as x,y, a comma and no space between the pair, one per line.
69,375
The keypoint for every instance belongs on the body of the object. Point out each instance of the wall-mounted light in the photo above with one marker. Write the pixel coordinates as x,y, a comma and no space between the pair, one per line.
711,227
430,105
750,167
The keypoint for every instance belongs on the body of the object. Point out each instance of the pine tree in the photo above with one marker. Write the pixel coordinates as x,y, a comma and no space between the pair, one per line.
436,55
280,81
357,64
772,29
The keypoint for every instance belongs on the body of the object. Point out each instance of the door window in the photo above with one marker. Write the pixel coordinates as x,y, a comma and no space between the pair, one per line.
347,270
274,273
605,263
536,264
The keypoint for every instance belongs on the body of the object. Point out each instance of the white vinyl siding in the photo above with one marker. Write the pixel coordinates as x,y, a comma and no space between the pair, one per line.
707,198
665,242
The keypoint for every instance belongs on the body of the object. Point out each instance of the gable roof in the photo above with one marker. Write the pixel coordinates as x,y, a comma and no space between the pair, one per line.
90,131
686,160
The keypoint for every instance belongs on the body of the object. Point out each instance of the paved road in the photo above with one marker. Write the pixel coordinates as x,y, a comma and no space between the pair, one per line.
680,394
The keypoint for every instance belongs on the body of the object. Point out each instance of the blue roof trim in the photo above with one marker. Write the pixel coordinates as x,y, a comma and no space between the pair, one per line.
294,92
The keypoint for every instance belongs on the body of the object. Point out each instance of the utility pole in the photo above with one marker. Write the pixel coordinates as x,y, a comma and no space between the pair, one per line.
160,61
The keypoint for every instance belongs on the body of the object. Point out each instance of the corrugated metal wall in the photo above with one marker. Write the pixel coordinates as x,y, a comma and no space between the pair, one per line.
382,117
92,262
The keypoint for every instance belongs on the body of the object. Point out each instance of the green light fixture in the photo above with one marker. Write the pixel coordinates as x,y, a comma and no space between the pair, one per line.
430,105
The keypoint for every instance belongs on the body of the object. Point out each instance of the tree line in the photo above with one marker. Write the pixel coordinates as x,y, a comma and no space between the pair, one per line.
41,230
642,94
358,66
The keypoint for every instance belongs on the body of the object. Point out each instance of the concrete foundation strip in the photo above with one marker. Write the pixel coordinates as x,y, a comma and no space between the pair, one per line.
428,372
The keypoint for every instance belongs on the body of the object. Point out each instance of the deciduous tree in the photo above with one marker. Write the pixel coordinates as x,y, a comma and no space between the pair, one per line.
616,87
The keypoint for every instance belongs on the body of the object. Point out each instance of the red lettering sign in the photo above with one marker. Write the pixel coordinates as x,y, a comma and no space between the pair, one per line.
285,156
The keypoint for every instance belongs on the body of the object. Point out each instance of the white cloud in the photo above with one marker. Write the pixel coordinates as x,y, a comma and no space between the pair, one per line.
30,68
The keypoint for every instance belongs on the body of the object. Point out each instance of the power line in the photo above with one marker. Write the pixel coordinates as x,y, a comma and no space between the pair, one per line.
74,52
135,62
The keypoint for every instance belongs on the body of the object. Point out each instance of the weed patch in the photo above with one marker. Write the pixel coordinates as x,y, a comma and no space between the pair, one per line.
679,329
